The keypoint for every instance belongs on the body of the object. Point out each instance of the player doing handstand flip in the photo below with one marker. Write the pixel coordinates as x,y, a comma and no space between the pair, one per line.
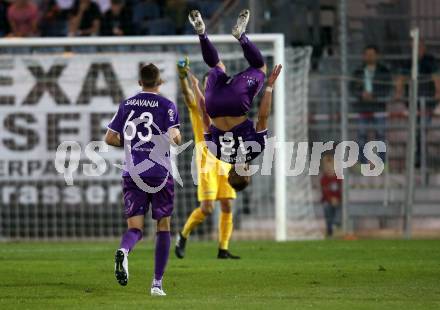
229,134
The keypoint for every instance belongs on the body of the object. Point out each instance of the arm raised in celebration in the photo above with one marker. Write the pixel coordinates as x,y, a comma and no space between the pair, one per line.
187,92
266,101
200,98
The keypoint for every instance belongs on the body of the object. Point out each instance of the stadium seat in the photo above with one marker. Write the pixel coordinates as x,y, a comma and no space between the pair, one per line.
209,7
143,13
188,29
55,29
163,26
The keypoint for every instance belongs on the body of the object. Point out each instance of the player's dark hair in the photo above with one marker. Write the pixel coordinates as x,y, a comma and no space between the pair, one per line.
372,47
237,181
150,76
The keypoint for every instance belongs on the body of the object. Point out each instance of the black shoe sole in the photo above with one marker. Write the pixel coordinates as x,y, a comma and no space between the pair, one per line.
234,257
178,254
193,14
121,275
179,250
227,255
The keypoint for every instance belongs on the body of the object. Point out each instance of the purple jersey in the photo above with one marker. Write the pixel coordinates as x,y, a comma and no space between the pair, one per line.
143,122
238,145
232,96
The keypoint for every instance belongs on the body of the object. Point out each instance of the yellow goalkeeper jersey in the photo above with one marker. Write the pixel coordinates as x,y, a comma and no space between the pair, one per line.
212,173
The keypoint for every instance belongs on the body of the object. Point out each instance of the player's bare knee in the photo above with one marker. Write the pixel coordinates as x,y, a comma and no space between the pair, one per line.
164,224
207,207
225,205
136,222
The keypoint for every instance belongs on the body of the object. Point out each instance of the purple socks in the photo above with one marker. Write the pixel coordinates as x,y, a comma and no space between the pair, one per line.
130,238
251,52
163,240
209,53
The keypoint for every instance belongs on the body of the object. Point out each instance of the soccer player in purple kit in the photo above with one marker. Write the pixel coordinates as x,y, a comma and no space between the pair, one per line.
231,135
146,125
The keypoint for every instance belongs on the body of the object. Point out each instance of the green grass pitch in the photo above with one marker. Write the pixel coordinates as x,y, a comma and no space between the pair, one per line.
367,274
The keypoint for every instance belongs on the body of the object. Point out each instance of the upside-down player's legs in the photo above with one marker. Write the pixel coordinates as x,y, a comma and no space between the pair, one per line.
209,52
250,51
223,93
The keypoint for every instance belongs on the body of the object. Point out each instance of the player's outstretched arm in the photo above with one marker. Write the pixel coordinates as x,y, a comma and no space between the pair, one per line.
200,98
187,92
175,136
112,138
266,101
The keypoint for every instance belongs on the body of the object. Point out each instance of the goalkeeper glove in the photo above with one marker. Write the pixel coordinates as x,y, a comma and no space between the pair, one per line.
183,67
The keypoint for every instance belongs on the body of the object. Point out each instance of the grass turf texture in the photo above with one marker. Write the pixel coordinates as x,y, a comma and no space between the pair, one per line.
367,274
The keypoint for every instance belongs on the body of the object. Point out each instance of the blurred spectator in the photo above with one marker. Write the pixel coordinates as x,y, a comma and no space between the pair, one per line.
23,18
65,5
118,20
177,11
429,77
84,19
104,5
54,19
144,12
331,190
4,24
371,87
428,87
373,82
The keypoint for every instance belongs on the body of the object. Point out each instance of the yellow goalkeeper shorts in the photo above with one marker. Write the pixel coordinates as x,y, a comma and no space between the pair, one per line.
213,184
212,173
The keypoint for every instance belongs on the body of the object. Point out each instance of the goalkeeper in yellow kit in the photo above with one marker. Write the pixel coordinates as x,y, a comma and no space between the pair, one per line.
213,182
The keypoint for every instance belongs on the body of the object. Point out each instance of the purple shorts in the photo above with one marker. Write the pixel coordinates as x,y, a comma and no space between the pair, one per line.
241,144
232,96
137,201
